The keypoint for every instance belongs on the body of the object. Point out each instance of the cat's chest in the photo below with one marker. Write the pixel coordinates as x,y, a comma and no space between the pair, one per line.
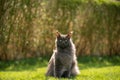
65,58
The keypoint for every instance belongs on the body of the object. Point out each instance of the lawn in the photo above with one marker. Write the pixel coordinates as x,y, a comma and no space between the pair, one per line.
91,68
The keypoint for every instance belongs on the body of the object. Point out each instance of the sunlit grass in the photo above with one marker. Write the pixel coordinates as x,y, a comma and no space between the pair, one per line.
92,68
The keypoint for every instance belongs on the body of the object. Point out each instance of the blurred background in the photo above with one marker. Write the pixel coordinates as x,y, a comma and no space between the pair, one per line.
27,27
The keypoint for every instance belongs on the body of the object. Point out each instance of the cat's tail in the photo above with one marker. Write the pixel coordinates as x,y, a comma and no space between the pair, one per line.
75,70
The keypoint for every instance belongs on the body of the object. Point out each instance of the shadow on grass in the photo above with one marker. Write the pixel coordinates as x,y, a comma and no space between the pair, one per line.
23,64
84,62
97,61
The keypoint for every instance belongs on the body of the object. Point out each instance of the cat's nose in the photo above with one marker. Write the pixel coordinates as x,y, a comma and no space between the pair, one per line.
63,42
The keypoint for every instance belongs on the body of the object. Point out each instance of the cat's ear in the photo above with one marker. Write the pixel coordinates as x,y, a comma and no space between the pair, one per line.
69,34
57,34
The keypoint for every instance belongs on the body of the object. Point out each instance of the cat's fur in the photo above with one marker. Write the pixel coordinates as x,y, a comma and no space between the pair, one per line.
63,62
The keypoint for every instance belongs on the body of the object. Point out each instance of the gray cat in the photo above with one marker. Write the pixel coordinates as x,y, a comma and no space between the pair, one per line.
63,62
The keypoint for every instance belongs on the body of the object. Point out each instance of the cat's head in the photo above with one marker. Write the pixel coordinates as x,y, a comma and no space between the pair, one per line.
63,41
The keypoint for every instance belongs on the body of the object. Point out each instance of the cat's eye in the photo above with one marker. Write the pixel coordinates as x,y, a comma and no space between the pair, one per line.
60,40
65,40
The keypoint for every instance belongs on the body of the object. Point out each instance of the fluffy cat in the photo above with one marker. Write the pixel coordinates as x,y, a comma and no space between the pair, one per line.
63,62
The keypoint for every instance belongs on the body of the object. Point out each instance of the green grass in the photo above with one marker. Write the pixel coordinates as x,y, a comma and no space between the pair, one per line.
92,68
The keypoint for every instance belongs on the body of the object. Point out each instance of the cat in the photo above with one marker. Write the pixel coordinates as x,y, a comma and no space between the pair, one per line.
63,62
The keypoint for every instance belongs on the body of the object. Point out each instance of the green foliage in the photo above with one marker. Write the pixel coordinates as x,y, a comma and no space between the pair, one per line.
92,68
27,27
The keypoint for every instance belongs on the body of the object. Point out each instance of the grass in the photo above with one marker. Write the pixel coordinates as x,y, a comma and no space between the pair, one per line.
92,68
